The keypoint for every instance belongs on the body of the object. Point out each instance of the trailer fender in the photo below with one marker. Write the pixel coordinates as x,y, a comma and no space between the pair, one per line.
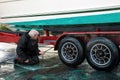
58,41
81,39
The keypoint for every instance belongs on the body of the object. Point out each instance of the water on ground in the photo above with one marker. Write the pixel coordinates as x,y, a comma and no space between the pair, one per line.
49,68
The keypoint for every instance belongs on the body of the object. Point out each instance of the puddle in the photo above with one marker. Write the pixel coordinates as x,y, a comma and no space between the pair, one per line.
103,76
18,73
77,75
36,67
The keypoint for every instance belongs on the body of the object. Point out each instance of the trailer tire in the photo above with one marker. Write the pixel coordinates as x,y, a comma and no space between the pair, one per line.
102,54
71,52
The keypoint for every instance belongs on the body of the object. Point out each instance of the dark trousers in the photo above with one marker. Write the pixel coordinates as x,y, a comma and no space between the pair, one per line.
32,60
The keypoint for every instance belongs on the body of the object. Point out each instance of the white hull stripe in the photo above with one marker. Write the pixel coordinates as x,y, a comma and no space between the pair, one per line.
78,18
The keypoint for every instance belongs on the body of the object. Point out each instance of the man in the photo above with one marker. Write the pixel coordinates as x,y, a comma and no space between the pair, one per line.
27,49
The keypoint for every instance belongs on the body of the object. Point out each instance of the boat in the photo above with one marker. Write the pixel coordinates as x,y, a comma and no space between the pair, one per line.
60,13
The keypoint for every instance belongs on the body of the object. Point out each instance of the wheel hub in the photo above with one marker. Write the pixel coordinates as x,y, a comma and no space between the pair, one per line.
100,54
69,51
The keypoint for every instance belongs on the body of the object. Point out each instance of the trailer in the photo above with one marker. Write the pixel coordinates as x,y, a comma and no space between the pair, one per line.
89,29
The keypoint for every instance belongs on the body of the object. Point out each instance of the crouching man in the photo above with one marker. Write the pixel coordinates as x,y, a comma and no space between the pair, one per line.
27,49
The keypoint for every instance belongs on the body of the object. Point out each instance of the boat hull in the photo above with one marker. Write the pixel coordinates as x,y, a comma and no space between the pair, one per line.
59,12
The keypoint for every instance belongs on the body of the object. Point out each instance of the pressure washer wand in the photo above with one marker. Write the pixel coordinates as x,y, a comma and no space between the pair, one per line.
46,51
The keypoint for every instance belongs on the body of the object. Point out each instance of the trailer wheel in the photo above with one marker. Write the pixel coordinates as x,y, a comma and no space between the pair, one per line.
71,51
102,54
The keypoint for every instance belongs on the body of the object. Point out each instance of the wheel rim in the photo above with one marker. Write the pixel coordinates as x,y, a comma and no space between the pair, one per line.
69,51
100,54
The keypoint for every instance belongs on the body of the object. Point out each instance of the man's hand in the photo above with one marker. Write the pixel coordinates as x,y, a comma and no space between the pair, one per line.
41,52
27,61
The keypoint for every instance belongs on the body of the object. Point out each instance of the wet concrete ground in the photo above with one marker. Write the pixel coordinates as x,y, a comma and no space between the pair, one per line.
49,68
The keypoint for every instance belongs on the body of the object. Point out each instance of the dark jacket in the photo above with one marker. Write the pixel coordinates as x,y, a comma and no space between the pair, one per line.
27,47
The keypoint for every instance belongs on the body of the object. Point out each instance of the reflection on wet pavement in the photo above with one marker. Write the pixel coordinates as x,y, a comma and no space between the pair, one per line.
50,68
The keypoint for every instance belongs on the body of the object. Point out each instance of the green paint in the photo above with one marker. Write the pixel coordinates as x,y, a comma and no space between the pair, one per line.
74,74
19,73
70,75
45,77
92,19
36,67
